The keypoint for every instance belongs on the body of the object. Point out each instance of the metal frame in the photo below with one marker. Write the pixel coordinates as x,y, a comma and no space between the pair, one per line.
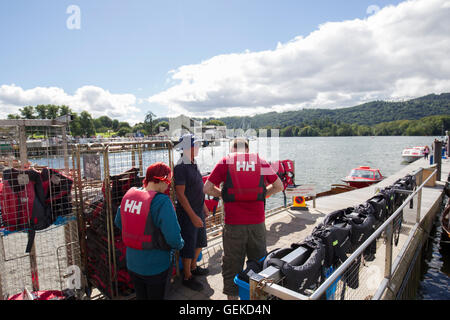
263,283
24,155
105,149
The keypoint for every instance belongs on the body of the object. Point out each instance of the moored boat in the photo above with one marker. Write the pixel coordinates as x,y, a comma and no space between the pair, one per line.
363,176
412,154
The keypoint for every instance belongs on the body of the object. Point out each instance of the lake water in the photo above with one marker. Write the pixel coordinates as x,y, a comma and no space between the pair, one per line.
323,161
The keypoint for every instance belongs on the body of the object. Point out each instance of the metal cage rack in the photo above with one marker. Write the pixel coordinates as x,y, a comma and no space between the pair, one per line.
38,228
102,174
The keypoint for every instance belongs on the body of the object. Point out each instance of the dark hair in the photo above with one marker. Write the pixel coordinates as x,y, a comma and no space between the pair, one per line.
239,142
158,169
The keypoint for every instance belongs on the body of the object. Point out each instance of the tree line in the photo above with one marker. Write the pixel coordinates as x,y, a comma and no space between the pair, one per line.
427,126
425,116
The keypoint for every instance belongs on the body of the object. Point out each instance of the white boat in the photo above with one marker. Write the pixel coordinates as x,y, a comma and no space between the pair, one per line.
412,154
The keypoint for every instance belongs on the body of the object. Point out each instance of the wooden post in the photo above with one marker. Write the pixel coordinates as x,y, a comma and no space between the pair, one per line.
388,256
419,180
65,149
437,146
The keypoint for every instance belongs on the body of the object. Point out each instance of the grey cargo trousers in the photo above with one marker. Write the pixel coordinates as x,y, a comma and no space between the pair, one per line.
240,241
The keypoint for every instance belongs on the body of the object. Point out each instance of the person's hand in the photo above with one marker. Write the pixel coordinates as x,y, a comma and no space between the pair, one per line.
197,221
207,213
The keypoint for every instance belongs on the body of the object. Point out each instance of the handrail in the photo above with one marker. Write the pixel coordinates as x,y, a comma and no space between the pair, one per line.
346,264
343,267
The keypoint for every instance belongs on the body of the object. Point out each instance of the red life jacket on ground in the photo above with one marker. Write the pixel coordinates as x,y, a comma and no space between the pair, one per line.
244,181
138,230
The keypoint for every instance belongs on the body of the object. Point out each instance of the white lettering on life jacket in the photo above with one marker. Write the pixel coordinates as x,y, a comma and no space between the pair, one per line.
245,166
133,206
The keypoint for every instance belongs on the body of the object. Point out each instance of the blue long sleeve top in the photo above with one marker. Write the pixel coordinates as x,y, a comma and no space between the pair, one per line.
151,262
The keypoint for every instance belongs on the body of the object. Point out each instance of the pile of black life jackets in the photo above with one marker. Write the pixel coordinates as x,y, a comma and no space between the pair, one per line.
32,200
330,243
97,237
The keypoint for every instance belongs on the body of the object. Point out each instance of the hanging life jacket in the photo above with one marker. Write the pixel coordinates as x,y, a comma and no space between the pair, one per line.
57,191
381,210
285,171
138,230
363,225
335,233
120,184
244,181
307,273
23,203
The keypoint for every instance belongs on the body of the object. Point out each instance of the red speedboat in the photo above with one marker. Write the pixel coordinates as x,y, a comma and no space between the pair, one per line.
362,177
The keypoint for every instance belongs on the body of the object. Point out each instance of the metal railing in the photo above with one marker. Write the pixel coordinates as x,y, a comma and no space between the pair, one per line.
344,279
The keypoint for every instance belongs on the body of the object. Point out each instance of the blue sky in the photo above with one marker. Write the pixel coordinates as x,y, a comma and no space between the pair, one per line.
129,47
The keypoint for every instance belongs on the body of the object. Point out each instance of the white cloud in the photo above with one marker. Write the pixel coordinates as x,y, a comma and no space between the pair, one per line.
400,51
95,100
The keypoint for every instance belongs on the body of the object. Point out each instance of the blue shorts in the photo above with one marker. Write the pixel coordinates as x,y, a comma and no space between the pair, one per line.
193,237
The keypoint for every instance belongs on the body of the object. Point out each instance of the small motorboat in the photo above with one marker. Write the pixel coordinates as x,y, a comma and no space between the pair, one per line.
412,154
362,177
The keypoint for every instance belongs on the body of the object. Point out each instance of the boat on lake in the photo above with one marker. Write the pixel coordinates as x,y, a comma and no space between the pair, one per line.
363,176
412,154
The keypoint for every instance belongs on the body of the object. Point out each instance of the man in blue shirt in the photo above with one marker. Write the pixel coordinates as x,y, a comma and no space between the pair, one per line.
191,211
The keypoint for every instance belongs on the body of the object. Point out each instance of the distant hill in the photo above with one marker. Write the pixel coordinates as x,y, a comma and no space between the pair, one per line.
369,114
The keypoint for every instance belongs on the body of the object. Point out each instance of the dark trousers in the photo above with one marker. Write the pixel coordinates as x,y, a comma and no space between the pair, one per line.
240,241
150,287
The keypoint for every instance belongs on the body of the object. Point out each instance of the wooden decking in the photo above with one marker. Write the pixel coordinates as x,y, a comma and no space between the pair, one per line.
286,227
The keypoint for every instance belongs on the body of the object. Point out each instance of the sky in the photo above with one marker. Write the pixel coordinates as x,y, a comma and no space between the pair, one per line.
219,58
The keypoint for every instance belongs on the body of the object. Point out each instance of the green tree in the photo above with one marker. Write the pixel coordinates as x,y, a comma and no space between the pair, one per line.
27,112
115,124
215,123
123,131
87,124
149,122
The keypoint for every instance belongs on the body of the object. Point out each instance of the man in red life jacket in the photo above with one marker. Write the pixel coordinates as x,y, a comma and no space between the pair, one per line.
247,180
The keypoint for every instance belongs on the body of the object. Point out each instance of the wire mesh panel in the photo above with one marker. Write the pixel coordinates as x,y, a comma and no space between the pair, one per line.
36,204
104,173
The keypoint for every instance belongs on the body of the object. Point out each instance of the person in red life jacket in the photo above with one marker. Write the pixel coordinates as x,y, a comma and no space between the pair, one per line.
151,233
247,180
191,211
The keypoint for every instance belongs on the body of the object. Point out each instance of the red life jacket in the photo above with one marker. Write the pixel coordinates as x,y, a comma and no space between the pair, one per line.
244,181
22,201
138,230
285,171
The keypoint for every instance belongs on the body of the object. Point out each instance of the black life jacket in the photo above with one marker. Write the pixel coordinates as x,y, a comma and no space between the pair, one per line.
308,273
121,183
379,203
57,191
23,203
273,258
408,182
335,233
363,225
